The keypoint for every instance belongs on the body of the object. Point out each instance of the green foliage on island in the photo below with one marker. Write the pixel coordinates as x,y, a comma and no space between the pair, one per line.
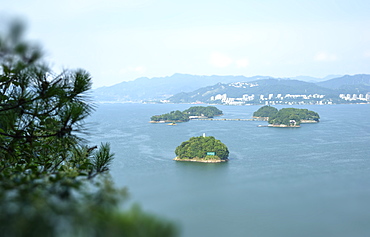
173,116
286,115
178,116
209,111
51,182
202,148
265,111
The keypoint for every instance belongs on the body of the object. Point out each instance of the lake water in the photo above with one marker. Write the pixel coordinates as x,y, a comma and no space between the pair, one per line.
308,181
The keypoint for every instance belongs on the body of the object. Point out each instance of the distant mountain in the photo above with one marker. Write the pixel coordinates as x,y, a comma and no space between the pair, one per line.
359,83
328,77
307,78
314,79
259,87
158,88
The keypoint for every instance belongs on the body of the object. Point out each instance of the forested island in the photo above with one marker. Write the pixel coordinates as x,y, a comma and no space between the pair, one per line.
193,112
202,149
265,112
286,117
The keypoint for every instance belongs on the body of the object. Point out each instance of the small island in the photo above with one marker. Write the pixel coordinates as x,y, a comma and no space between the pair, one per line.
286,117
264,113
202,149
195,112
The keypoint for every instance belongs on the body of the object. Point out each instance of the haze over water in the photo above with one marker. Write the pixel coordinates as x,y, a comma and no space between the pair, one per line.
308,181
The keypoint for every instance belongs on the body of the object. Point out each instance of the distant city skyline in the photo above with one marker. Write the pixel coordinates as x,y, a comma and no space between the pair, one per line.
123,40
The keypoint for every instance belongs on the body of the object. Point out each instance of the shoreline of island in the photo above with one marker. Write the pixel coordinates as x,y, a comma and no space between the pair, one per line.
282,126
167,121
183,121
199,160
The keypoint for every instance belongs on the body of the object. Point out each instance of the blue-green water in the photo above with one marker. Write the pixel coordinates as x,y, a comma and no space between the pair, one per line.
308,181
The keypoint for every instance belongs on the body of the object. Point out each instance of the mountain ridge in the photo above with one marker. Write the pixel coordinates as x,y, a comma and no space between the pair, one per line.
258,87
345,81
161,88
157,88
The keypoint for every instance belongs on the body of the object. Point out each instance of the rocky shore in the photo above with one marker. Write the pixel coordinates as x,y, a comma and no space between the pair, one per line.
201,160
168,121
309,121
260,118
283,126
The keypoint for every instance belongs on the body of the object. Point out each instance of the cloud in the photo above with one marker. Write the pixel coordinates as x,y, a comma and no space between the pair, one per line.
367,54
221,61
242,63
137,69
325,57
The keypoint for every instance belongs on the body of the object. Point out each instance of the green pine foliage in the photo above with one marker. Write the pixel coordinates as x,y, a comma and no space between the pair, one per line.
51,182
198,147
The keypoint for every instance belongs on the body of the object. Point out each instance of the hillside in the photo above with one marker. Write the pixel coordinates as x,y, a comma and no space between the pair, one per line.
159,88
260,87
313,79
185,88
359,83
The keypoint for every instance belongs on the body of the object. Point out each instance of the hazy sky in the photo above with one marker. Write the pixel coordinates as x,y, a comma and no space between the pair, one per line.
121,40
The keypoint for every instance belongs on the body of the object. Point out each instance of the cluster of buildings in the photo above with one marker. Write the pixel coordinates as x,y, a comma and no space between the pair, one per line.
243,84
266,99
272,99
352,97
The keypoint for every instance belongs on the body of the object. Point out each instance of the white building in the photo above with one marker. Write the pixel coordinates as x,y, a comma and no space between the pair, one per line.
219,97
247,97
318,96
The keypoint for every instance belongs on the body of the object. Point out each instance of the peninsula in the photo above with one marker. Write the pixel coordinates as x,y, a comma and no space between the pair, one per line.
286,117
202,149
194,112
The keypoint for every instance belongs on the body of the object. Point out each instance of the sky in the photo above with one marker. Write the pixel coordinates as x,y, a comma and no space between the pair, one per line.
121,40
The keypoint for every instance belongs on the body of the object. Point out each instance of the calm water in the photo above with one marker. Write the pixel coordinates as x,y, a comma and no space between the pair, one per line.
308,181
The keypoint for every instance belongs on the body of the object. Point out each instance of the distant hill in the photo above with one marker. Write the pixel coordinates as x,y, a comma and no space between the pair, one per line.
179,86
259,87
158,88
359,83
306,78
314,79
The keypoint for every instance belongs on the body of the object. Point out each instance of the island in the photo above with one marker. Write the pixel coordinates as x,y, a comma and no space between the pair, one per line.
264,113
286,117
202,149
195,112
